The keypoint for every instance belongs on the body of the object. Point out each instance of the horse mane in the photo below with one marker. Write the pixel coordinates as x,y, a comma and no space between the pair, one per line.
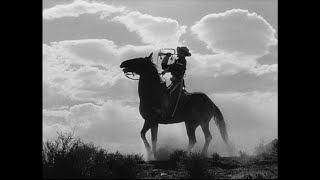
154,71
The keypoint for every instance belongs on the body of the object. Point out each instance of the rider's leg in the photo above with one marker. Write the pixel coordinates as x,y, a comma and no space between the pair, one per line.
174,84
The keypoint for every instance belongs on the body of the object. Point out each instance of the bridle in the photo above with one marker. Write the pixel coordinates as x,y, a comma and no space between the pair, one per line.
127,73
131,73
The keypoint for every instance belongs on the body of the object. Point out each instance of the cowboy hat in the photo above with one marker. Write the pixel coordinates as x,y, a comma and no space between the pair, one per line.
185,50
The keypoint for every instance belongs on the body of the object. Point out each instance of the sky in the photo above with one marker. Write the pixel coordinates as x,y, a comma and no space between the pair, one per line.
234,47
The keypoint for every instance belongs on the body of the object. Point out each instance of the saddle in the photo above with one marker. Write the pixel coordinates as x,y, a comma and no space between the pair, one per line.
172,99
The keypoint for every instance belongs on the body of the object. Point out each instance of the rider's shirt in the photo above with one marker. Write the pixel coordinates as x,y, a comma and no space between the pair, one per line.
178,68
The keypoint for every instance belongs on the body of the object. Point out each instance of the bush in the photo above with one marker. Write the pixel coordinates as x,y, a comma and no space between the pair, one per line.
123,166
260,148
269,153
215,157
245,158
196,165
65,157
68,157
243,155
216,160
177,157
274,150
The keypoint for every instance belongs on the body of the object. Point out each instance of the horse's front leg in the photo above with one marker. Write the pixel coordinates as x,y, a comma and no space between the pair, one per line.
154,135
143,132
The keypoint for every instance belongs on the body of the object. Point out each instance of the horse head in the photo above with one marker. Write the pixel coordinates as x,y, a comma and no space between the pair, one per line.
137,65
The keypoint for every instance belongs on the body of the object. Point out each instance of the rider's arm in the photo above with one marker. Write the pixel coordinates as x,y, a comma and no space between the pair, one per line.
165,71
164,64
165,60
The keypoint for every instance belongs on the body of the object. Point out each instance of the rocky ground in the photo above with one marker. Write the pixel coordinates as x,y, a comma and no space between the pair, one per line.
224,168
69,158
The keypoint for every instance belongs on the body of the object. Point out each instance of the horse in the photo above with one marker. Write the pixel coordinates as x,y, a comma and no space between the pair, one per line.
194,108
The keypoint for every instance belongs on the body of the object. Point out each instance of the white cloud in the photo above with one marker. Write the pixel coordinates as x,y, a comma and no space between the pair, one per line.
269,58
159,31
55,117
236,31
263,69
225,64
222,64
153,30
79,7
52,99
95,51
60,113
88,70
216,65
49,131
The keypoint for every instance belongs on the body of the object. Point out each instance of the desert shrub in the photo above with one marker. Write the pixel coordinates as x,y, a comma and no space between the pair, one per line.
243,155
245,158
225,163
100,165
269,153
177,157
137,157
260,148
69,157
196,165
123,166
60,158
215,157
273,152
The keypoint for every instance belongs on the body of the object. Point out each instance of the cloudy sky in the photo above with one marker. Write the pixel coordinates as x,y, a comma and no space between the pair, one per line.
234,61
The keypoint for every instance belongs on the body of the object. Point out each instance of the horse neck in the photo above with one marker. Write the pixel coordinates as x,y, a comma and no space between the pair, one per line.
149,89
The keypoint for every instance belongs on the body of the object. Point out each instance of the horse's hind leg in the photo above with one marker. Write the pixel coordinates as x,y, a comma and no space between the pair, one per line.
143,132
207,135
191,131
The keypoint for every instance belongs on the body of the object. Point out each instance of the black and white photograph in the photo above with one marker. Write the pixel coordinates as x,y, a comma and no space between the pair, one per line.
150,89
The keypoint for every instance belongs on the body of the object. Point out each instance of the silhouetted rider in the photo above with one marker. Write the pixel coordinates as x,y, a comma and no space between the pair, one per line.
178,68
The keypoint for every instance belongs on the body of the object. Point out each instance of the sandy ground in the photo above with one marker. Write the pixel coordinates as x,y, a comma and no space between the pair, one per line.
225,168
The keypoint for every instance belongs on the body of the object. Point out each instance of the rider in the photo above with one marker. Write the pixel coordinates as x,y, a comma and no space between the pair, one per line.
178,68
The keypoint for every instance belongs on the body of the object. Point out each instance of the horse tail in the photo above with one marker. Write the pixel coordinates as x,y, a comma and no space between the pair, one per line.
213,109
219,120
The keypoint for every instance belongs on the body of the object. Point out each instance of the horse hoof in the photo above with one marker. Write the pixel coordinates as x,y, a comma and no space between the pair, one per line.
204,154
150,156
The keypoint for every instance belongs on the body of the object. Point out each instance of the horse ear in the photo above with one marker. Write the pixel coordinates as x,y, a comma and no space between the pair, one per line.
150,55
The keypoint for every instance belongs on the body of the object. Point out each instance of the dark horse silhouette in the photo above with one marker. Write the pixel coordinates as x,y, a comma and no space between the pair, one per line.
194,108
